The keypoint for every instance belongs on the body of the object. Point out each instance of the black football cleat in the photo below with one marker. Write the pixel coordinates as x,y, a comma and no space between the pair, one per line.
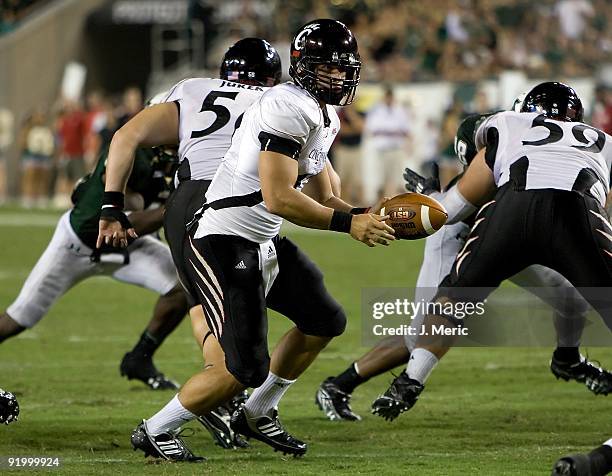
574,465
335,403
600,385
401,396
268,430
139,367
596,463
9,407
166,446
217,423
236,402
596,379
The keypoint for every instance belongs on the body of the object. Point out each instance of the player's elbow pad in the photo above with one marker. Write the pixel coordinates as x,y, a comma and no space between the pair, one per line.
457,206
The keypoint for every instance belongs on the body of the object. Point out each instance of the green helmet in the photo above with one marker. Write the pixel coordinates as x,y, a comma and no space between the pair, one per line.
465,145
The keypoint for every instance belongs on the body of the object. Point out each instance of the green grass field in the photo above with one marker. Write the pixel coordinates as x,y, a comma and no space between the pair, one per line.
484,411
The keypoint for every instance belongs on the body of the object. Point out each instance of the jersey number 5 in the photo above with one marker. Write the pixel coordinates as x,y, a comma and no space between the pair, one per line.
556,134
223,114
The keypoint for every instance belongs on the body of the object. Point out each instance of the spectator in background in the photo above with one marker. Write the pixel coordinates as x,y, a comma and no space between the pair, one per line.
107,124
386,132
602,108
8,20
447,166
70,127
572,17
6,140
347,154
95,121
37,147
132,104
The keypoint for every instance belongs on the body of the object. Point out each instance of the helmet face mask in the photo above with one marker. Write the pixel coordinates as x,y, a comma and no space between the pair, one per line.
555,100
325,61
251,61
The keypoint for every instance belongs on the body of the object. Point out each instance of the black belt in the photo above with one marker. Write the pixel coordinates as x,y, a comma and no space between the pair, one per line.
248,200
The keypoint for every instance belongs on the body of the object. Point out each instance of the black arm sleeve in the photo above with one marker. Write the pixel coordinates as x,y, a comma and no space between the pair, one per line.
281,145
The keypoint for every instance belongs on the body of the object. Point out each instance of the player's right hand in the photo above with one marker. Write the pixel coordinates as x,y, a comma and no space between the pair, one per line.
114,229
371,229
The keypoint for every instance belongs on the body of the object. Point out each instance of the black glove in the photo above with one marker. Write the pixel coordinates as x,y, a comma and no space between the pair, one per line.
418,183
111,213
9,408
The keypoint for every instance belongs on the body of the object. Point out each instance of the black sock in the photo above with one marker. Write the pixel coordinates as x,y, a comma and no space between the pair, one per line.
601,460
349,379
567,354
146,345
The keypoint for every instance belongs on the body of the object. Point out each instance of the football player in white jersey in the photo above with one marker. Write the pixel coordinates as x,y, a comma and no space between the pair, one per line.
334,394
238,265
199,115
541,177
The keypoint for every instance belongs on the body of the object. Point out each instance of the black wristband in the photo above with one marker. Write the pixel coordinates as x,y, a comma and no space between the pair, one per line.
113,199
360,211
112,213
341,221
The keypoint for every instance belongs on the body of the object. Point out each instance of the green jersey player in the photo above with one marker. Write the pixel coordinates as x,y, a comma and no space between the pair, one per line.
70,258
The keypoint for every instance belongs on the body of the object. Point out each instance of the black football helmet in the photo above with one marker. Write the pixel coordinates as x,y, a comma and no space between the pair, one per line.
328,43
555,100
251,61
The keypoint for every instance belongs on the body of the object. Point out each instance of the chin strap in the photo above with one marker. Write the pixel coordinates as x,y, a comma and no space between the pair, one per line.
326,121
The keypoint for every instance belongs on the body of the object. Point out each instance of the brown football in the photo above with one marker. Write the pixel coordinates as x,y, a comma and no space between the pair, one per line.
414,216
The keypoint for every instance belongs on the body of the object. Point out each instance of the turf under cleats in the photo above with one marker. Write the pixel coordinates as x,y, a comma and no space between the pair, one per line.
268,430
335,403
401,396
596,379
138,367
217,423
167,446
9,408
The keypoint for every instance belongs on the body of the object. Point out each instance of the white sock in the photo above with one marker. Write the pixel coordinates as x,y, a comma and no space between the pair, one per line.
609,443
265,398
420,365
172,416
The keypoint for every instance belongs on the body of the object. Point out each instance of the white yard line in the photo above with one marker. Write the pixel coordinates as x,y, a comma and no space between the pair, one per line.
49,220
28,219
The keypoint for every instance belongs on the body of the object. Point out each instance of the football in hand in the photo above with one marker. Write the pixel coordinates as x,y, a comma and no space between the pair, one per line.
414,216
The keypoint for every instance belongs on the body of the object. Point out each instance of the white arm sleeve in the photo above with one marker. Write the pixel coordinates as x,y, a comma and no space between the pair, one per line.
457,207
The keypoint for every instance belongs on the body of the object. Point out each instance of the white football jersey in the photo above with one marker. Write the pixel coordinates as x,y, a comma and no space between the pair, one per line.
287,114
556,151
210,110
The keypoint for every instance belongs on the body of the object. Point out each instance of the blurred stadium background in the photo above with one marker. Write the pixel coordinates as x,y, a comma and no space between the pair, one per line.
72,71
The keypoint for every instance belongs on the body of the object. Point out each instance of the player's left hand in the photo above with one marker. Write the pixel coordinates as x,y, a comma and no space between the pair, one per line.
417,183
